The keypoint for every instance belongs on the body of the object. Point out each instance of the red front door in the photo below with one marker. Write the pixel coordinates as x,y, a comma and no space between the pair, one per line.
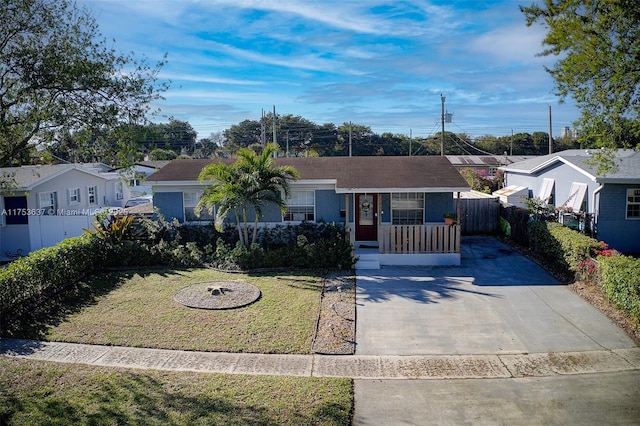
366,217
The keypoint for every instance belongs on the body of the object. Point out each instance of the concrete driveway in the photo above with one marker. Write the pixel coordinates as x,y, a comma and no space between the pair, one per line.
496,302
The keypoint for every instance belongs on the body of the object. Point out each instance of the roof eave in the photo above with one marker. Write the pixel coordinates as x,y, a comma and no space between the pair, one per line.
396,190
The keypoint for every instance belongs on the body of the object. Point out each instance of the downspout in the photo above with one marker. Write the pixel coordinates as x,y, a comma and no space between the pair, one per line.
596,208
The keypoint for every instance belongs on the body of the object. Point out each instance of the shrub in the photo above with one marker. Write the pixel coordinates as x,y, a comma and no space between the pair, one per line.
46,271
563,248
620,277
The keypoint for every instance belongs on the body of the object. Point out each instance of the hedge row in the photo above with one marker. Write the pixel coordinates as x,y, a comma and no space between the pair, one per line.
620,279
563,248
567,250
158,243
47,270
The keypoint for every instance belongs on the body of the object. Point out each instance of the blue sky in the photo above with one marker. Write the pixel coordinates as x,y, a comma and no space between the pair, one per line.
379,64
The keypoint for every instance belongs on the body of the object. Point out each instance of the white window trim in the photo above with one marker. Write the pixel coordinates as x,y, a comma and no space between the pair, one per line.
631,193
50,206
95,195
393,210
288,201
199,195
576,196
71,192
546,190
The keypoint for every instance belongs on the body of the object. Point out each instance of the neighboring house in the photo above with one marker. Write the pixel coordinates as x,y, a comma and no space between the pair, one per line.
42,205
489,164
137,175
568,180
392,204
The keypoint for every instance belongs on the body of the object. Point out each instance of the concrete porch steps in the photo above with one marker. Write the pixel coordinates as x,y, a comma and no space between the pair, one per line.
367,261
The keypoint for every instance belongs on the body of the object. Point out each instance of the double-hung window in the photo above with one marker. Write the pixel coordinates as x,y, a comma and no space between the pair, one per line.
48,202
74,195
407,208
190,201
301,206
119,190
633,203
92,195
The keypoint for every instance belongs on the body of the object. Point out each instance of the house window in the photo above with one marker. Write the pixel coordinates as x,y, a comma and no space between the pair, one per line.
407,208
74,195
134,182
577,197
48,202
190,201
633,203
301,206
119,191
92,195
546,193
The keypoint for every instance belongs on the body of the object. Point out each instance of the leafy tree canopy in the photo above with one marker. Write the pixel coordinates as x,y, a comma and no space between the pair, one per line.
59,75
598,46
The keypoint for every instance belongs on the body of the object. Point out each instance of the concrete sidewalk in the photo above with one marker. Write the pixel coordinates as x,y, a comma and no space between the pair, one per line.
356,367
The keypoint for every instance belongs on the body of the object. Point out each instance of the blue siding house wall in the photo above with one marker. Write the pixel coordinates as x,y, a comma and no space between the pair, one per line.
606,196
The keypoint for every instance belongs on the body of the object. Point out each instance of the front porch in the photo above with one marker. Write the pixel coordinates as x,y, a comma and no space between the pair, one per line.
410,245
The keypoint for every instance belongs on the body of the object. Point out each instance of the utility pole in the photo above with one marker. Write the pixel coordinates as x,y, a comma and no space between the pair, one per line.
263,131
275,140
410,140
550,130
350,139
442,98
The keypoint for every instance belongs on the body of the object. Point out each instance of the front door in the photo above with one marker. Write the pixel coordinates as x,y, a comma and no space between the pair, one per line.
366,217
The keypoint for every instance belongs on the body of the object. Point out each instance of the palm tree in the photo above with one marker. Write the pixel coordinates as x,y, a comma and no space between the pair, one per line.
250,183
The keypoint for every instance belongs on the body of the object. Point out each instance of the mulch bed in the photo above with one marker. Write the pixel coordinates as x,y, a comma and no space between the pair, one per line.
336,327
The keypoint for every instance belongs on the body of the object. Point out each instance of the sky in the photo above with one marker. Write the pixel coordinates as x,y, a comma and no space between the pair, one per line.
382,64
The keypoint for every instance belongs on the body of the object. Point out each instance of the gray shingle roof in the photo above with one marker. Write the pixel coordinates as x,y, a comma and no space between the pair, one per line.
26,177
425,173
626,170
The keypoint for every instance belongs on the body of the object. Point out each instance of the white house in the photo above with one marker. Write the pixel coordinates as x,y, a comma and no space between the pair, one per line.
42,205
570,181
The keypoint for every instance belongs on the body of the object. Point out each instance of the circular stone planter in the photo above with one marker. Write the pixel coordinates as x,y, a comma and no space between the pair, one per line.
227,295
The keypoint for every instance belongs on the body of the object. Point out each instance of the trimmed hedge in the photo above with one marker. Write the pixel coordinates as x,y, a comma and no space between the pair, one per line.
620,279
46,271
32,279
563,248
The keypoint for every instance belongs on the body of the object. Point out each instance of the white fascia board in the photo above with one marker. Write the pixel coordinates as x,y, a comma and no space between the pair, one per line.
401,190
174,183
104,176
581,170
548,163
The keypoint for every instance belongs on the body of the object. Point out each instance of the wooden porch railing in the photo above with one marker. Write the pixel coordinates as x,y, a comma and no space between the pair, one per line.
414,239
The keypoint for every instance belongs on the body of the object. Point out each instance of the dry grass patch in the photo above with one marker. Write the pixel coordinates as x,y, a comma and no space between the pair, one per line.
44,393
140,311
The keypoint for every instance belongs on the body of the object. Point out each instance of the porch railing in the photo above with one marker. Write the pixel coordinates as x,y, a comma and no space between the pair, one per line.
414,239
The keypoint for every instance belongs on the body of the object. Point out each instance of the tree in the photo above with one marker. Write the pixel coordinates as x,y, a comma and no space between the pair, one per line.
59,75
598,45
249,184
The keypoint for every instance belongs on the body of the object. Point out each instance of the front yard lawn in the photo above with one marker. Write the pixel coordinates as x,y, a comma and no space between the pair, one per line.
137,309
45,393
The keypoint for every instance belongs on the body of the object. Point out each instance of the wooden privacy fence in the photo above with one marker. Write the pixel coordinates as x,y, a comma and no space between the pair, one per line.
479,215
410,239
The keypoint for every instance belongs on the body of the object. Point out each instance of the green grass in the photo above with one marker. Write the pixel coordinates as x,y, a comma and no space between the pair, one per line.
137,309
44,393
